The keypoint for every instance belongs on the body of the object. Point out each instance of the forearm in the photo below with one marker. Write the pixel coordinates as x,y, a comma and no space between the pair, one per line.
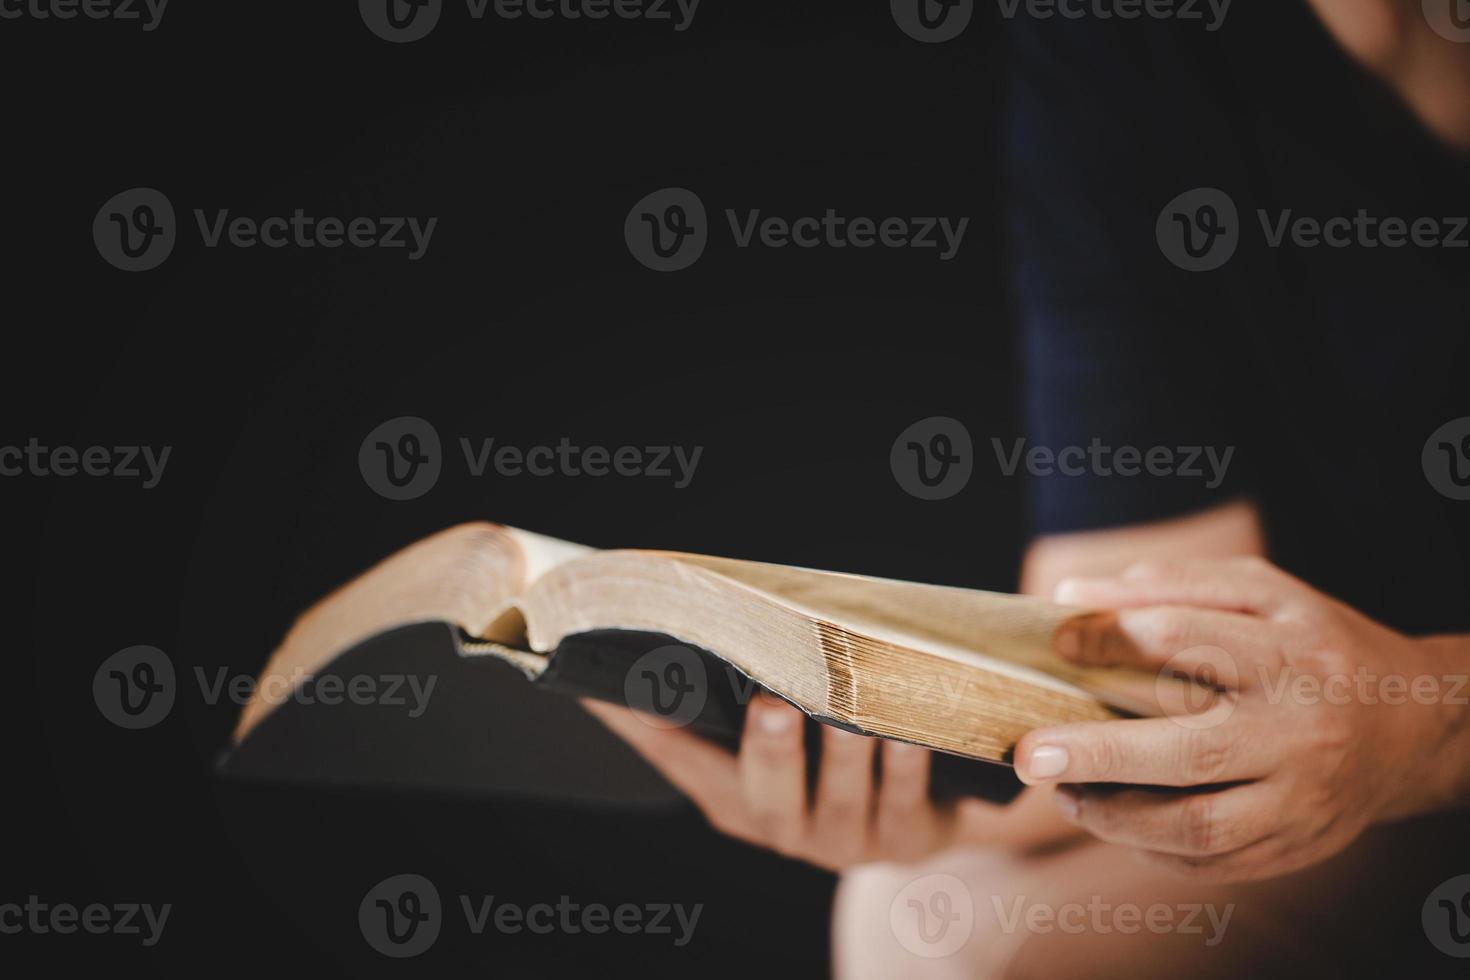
1438,696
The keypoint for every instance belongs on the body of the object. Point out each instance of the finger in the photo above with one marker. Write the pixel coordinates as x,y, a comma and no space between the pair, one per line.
702,771
1148,751
1191,824
904,821
772,766
844,794
1246,585
1226,649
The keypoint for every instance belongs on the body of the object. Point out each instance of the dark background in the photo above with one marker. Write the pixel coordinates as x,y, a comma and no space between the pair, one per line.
527,321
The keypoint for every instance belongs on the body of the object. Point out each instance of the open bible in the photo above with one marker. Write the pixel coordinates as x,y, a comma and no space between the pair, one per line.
686,639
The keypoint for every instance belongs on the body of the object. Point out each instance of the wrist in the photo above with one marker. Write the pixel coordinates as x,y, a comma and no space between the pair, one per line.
1438,775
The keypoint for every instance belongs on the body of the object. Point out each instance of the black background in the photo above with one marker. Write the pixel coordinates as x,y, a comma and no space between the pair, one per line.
527,321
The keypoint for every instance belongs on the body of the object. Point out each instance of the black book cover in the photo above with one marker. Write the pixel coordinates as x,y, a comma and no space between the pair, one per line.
449,722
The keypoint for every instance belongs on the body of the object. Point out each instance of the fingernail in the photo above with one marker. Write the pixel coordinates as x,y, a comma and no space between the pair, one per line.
1068,640
1047,761
775,721
1067,803
1066,590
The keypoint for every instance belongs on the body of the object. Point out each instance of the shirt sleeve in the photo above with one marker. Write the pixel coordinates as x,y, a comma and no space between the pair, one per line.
1122,350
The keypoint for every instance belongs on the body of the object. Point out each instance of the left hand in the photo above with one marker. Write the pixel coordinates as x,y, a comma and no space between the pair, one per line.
1325,723
760,794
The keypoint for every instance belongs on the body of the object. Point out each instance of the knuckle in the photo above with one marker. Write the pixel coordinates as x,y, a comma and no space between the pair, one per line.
1334,734
1104,758
774,831
1149,568
1252,562
770,753
1205,758
1198,828
839,813
1168,629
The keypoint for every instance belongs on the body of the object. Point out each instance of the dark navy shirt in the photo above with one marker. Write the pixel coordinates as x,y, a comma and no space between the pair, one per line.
1327,368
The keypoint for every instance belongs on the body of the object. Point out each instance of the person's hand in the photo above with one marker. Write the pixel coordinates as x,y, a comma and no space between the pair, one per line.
1324,721
760,795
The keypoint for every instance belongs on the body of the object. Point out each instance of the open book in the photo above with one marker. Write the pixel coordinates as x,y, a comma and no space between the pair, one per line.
957,670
